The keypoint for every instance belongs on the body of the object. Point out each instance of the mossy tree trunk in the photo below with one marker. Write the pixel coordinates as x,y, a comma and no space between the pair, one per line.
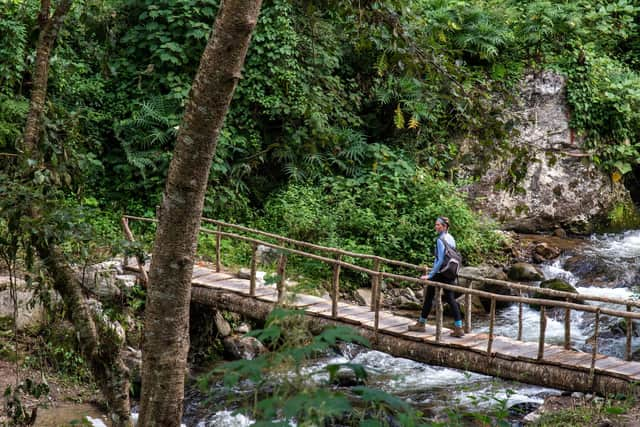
166,331
99,344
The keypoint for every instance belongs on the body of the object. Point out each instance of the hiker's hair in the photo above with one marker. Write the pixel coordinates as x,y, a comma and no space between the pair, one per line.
444,221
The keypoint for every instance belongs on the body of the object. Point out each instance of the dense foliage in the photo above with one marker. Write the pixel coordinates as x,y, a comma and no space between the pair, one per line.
345,125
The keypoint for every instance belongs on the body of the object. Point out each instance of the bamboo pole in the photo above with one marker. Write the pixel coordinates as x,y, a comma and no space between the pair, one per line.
520,321
282,265
375,284
254,264
438,313
129,236
629,335
468,308
492,321
218,254
376,321
335,289
567,328
543,331
594,350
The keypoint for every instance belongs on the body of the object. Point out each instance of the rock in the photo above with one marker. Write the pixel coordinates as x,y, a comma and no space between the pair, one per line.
243,328
524,272
404,303
559,232
245,273
543,252
556,285
242,347
345,377
223,327
577,395
132,359
266,254
484,304
542,181
365,294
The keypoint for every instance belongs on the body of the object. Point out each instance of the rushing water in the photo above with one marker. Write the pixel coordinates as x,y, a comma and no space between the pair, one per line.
607,266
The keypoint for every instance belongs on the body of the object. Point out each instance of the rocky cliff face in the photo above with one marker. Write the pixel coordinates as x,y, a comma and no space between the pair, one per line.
544,181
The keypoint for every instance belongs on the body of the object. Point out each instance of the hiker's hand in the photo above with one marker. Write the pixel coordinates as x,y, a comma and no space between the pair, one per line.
425,277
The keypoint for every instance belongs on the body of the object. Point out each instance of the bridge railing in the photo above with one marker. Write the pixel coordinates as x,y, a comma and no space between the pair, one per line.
377,274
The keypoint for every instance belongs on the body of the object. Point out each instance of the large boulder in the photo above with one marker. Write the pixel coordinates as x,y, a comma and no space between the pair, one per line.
30,315
543,180
484,304
524,272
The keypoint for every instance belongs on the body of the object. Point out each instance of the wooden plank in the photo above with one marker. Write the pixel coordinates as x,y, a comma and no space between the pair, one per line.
319,307
528,350
609,362
570,358
387,321
363,318
214,280
470,341
201,271
302,300
628,369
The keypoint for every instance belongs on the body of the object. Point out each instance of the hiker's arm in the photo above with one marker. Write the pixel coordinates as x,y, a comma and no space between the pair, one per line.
439,258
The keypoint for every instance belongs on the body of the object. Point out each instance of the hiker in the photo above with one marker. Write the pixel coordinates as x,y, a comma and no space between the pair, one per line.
442,228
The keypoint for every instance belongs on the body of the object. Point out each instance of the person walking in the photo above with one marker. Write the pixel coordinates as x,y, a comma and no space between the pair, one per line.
442,228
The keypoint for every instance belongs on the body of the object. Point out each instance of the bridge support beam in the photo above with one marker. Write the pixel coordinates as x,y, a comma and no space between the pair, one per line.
529,371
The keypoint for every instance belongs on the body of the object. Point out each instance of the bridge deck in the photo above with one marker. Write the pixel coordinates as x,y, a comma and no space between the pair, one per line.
389,324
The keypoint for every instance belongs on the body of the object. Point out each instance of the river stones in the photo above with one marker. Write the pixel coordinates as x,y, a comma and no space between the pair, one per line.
556,285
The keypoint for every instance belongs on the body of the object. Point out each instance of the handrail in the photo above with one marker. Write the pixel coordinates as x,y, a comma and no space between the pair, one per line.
509,285
378,274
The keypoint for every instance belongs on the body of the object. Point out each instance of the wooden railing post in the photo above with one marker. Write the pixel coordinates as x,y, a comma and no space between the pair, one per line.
629,322
375,284
520,316
218,255
467,310
492,321
594,350
335,288
254,263
281,286
438,313
543,331
376,320
567,328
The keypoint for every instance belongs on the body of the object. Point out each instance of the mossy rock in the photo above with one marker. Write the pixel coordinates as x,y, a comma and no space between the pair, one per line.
556,285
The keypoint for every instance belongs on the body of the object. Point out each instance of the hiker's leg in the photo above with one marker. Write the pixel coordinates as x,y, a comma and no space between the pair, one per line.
450,298
426,305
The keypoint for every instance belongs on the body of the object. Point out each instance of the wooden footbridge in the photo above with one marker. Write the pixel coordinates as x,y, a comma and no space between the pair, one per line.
558,366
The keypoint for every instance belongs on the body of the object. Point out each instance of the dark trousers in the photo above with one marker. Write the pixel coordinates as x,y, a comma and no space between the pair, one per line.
449,297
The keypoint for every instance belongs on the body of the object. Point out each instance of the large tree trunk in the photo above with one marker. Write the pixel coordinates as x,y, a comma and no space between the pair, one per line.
166,333
49,27
99,345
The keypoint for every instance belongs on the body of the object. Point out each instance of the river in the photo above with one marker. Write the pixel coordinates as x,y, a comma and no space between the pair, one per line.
607,265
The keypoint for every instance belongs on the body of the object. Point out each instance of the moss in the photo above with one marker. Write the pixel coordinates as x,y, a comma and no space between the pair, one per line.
623,216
